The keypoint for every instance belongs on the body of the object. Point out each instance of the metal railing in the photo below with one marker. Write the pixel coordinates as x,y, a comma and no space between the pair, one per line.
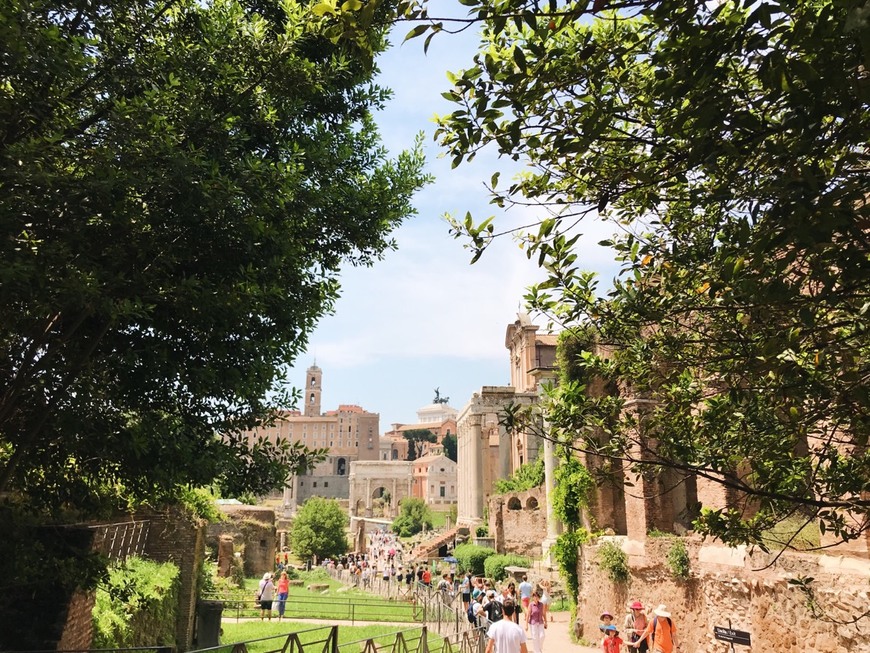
325,639
443,612
332,608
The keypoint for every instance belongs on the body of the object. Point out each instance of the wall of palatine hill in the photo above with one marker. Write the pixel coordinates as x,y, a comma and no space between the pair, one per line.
734,587
744,589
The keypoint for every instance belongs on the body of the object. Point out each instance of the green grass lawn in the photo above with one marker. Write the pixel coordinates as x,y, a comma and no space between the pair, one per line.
308,634
348,604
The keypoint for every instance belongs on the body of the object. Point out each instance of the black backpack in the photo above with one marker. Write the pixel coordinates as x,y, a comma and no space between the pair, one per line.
495,612
470,613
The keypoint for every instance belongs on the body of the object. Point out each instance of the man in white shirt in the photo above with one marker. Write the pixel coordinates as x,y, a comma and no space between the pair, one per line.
505,636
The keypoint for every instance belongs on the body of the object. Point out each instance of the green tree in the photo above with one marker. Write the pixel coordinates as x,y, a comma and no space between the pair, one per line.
180,184
726,144
450,443
526,477
416,439
319,529
414,516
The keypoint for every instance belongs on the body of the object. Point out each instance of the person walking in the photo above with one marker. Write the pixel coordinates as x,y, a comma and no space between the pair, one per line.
265,595
283,590
525,589
660,632
506,636
546,599
536,622
635,624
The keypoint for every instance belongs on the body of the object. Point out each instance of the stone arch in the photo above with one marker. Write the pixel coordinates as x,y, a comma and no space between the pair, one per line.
381,500
531,503
371,479
341,466
514,504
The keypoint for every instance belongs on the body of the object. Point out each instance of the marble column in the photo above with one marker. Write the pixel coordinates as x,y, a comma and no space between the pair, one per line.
554,525
478,452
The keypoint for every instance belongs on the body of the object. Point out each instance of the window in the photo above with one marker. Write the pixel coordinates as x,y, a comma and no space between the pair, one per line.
325,483
442,491
313,382
315,483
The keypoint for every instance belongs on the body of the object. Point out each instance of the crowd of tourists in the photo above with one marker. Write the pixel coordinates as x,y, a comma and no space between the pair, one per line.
508,611
655,633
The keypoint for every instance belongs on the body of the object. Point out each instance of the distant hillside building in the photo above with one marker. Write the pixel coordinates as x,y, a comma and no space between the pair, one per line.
350,433
437,417
435,479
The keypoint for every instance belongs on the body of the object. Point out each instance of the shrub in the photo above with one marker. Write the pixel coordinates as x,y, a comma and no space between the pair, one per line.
494,566
471,557
138,606
482,531
527,476
565,553
614,560
678,560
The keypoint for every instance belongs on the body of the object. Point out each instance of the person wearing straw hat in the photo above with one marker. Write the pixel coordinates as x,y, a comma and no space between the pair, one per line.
660,632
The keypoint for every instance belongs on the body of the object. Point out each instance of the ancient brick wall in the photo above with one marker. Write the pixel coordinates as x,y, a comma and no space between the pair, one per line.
253,531
751,592
176,537
518,522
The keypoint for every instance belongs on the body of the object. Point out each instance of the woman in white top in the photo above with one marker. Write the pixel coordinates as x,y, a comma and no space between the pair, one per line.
545,598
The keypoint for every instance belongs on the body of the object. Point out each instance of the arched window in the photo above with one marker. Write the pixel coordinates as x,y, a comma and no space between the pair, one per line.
531,503
341,465
514,504
311,398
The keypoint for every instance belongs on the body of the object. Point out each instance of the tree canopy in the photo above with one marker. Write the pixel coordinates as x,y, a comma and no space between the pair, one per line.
451,444
180,184
726,143
319,529
416,440
414,516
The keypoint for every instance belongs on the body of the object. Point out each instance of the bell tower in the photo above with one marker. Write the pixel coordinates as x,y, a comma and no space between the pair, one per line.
311,395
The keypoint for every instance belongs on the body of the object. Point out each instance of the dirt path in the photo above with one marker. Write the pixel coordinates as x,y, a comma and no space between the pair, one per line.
558,638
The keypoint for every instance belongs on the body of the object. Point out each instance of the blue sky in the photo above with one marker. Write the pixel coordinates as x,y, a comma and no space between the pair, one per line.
424,317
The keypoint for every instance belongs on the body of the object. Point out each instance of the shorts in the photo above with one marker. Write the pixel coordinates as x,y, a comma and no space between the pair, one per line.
266,605
466,598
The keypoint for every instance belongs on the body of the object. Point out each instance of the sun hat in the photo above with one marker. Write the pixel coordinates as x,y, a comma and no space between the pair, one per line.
605,614
661,611
637,605
611,628
267,576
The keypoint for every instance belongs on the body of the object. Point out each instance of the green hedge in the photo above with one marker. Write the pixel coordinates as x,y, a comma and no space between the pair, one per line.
471,557
494,565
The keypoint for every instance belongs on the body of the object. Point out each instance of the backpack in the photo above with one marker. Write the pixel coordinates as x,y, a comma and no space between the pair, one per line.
470,613
496,612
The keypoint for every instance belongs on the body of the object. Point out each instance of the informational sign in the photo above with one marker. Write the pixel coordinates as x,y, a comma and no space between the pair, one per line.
731,635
